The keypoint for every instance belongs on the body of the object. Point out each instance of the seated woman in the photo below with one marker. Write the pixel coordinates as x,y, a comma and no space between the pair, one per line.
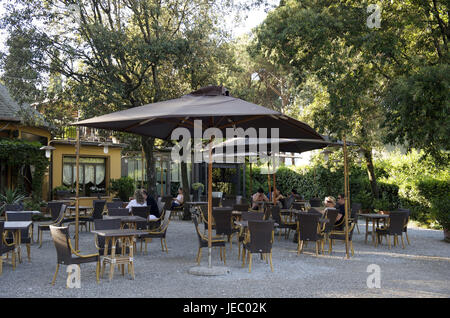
258,196
139,200
278,197
178,201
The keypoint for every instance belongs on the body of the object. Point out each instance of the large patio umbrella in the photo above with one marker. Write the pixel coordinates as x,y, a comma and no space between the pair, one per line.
214,106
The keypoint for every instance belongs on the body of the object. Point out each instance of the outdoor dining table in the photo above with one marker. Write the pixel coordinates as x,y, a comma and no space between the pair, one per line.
127,219
127,237
375,217
16,227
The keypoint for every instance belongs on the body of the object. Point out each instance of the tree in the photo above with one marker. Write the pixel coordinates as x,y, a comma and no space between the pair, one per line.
119,54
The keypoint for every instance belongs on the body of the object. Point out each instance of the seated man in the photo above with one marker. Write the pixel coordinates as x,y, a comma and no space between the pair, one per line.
178,201
340,206
258,196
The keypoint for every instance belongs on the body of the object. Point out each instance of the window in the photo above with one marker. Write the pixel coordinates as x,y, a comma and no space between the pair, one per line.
92,174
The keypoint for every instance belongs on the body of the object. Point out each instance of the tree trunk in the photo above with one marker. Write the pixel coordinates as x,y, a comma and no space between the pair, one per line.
371,172
186,190
148,144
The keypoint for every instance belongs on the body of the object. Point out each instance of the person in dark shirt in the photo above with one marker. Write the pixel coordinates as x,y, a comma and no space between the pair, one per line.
340,206
154,210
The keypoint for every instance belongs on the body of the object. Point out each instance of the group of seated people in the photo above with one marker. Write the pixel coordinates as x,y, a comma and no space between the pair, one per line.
280,199
142,198
329,202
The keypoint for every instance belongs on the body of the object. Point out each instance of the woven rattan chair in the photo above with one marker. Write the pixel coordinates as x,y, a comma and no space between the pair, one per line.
228,202
259,239
97,212
143,212
57,218
118,212
288,226
217,241
340,235
395,226
6,248
355,209
13,207
114,205
330,214
247,216
315,202
308,229
26,236
405,228
159,232
66,255
224,222
241,207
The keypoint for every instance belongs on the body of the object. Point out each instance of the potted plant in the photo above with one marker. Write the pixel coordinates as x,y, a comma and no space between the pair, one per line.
10,197
198,190
123,188
61,192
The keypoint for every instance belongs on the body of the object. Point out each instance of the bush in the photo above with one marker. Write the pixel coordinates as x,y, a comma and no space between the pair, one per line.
123,187
436,194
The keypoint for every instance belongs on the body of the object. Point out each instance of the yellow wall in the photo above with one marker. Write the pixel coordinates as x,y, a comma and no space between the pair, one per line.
113,160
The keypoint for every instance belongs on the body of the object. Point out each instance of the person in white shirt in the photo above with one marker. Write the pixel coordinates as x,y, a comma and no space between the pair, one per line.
179,199
139,200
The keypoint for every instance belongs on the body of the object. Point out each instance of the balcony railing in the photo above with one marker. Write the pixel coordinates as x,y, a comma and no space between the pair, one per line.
86,134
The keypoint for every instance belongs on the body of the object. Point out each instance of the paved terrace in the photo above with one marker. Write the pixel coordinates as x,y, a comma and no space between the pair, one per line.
422,269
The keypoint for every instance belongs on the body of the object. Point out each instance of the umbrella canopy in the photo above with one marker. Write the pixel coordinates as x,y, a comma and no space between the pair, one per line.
212,105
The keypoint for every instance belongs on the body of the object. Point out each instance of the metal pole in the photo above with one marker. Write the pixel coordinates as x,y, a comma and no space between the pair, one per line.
142,169
268,181
210,204
77,191
346,196
251,185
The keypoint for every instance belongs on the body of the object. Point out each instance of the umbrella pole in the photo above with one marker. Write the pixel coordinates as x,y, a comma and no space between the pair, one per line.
210,204
268,181
274,189
142,169
346,196
251,185
77,193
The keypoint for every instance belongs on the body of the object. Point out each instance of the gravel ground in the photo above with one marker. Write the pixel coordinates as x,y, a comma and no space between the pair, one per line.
420,270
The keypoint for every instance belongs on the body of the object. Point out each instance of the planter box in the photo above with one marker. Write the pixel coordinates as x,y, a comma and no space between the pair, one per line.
447,235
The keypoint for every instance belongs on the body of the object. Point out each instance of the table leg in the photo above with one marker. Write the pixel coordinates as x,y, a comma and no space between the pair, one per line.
131,239
18,242
105,254
113,258
367,230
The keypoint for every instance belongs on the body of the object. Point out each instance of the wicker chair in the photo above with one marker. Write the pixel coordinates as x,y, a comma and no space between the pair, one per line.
405,228
308,229
97,212
331,214
26,236
259,240
247,216
107,224
241,207
340,235
396,224
65,252
57,218
143,212
228,202
203,242
288,226
6,248
355,209
114,205
160,232
118,212
224,223
315,202
13,207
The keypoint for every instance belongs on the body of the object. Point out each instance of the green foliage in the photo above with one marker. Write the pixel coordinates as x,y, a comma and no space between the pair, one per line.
198,185
436,194
10,196
123,187
418,108
18,153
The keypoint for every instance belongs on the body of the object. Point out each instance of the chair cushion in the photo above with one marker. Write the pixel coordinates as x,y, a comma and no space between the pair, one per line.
81,260
5,249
